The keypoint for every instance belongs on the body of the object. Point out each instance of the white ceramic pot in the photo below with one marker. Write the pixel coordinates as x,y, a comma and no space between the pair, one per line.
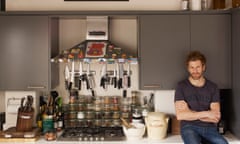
134,133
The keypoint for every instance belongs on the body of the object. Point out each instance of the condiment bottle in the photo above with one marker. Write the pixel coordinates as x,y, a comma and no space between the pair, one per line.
235,3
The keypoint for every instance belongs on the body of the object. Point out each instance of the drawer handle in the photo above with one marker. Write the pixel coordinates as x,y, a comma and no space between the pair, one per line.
36,87
152,86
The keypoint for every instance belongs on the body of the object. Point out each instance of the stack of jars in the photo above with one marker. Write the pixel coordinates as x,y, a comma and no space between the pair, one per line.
88,111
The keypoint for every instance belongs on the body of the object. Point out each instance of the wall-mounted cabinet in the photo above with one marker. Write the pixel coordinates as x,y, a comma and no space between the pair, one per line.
166,39
27,43
211,34
234,107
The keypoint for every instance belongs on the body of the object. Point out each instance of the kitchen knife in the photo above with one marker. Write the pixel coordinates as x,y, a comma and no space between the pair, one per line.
72,76
114,78
80,76
66,75
103,77
129,75
91,80
120,80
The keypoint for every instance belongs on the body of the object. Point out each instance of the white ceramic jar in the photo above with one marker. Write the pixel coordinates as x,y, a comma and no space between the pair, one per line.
196,4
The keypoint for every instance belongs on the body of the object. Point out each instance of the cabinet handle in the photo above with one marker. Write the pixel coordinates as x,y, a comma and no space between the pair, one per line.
36,87
152,86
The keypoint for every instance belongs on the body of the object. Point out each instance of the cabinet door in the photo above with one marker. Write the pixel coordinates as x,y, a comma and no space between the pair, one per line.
164,42
24,57
235,115
211,34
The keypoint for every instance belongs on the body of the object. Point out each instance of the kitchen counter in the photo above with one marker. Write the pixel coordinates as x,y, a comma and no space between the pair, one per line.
170,139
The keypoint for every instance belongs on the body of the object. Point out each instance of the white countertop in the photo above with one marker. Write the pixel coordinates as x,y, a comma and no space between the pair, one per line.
170,139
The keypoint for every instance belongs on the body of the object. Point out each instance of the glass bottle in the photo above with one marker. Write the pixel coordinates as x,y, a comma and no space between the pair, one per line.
235,3
218,4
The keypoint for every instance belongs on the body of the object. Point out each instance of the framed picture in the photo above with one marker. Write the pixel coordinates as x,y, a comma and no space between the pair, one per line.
96,49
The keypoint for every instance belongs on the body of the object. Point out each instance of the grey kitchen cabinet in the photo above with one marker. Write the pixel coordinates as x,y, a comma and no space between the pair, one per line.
164,41
27,43
234,106
211,34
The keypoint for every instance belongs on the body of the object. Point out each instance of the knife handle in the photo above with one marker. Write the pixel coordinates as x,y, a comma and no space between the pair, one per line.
79,84
70,86
129,81
115,82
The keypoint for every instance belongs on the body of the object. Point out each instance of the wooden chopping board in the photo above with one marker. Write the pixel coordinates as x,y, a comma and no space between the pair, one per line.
11,135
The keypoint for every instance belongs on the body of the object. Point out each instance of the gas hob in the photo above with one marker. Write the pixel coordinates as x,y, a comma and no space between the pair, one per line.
92,134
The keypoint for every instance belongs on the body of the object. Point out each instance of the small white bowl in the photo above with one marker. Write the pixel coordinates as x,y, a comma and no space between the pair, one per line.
134,133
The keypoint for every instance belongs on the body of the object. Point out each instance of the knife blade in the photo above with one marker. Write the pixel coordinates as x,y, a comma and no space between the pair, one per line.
66,75
80,76
72,76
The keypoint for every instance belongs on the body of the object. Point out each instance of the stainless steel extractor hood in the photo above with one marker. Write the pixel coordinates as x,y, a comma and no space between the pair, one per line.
96,45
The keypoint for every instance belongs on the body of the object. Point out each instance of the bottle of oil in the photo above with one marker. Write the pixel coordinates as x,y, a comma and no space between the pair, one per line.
235,3
219,4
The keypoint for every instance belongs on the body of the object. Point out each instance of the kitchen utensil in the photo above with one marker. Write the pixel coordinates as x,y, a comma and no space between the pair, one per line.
129,75
114,78
126,124
135,133
120,75
67,76
104,77
157,124
80,76
91,80
72,76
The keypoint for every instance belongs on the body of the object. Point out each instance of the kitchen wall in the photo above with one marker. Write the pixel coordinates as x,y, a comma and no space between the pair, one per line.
71,34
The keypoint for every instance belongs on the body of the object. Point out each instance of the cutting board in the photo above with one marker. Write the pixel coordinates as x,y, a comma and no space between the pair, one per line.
11,135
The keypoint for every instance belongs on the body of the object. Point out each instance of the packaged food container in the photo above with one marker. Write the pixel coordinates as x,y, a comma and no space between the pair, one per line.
98,115
115,107
81,123
125,108
73,107
72,123
116,122
98,122
126,101
98,100
107,115
81,115
81,99
107,100
89,114
97,107
72,115
89,106
116,115
107,107
107,122
126,115
115,100
90,123
81,107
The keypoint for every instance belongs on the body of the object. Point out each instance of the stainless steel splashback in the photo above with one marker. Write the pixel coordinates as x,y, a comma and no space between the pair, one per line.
97,28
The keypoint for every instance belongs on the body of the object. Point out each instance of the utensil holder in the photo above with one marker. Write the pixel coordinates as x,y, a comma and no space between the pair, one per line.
25,121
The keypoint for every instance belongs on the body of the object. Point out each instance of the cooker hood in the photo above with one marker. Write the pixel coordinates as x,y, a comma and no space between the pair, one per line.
97,44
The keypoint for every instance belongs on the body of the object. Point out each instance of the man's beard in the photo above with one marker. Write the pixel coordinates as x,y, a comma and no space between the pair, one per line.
196,76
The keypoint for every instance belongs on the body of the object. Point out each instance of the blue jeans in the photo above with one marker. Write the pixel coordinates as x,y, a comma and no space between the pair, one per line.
201,135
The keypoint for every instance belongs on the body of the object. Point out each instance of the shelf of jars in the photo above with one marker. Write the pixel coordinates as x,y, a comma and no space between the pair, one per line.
99,111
